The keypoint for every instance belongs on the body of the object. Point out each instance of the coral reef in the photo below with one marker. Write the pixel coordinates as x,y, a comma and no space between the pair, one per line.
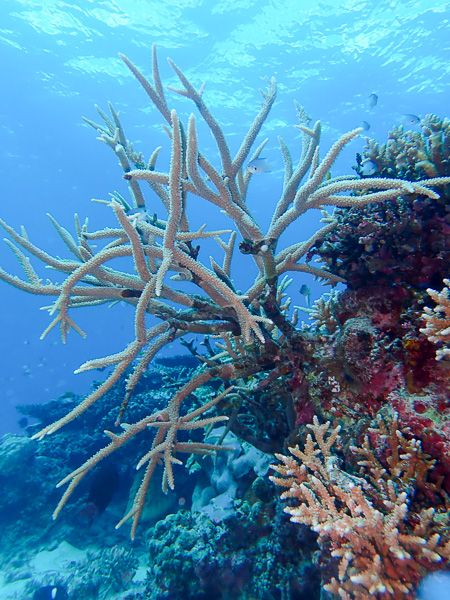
252,554
403,242
373,488
256,331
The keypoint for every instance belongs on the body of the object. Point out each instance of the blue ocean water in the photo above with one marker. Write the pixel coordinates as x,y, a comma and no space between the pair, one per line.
58,60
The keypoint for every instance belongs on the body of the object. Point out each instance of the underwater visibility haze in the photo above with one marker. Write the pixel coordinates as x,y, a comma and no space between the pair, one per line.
254,311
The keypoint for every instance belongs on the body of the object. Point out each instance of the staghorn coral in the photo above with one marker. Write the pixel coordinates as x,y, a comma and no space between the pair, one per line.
257,333
374,539
437,320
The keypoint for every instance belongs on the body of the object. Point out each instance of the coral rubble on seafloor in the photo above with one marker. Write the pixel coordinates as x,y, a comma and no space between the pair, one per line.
372,485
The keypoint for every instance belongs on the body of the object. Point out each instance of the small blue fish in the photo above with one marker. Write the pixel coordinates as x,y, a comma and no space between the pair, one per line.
365,125
368,168
372,100
306,291
410,119
258,166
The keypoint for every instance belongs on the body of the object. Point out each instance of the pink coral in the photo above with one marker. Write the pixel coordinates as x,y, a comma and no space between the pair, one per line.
382,543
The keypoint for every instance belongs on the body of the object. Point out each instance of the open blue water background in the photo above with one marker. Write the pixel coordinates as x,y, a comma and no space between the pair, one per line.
58,60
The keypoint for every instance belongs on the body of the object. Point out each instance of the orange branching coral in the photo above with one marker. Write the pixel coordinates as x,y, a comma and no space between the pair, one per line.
437,320
368,523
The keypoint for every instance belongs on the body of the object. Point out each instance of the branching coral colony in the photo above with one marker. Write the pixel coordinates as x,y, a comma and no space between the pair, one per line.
258,335
384,542
438,320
